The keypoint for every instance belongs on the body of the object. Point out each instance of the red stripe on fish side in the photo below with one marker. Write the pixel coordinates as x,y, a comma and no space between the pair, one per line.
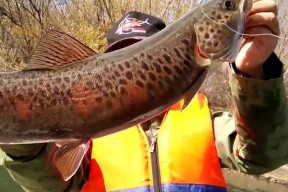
22,109
84,100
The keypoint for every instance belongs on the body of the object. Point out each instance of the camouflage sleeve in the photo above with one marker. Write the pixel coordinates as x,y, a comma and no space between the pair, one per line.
254,139
30,167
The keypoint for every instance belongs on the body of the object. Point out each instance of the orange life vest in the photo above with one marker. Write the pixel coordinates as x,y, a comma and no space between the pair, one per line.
187,156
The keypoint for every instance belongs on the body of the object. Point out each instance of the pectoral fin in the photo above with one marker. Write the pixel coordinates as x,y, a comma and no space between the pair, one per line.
69,156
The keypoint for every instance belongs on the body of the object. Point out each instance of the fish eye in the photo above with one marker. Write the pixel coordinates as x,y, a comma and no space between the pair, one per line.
227,4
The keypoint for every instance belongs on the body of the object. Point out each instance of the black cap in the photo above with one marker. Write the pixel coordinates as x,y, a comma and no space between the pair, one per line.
131,28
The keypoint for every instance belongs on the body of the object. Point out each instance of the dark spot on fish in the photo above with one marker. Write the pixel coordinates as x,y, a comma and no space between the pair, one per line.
33,75
157,67
89,73
216,43
219,16
108,85
1,94
30,92
67,79
122,81
185,42
79,76
7,91
113,77
178,54
167,70
41,103
178,70
226,16
14,89
54,101
129,75
201,29
69,93
142,54
139,84
212,30
98,77
149,57
24,82
58,80
206,36
98,99
41,82
56,90
123,91
113,94
167,58
152,76
20,97
105,94
98,87
187,62
89,83
136,59
116,73
142,75
150,86
213,12
31,106
106,69
43,93
109,103
121,68
65,100
160,60
188,56
85,102
145,66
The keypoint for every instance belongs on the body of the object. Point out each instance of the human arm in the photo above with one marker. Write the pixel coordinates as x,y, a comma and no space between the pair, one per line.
254,139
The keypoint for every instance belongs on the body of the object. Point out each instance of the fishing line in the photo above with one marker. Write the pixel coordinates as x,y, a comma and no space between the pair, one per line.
251,35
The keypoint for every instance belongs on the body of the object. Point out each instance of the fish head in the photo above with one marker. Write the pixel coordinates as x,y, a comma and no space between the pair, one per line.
219,27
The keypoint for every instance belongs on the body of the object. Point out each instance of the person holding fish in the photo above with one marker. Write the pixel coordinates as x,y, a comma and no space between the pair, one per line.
183,147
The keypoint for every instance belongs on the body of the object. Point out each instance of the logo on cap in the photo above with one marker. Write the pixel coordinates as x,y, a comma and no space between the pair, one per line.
131,25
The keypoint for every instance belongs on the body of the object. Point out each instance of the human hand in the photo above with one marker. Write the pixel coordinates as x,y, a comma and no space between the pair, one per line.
256,50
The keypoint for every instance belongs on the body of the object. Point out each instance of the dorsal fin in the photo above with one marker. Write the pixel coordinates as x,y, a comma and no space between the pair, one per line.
56,50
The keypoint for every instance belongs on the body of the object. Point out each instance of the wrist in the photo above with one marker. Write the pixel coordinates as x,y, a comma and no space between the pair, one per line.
255,73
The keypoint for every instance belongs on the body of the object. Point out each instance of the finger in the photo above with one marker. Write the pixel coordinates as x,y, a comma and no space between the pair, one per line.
267,19
268,42
264,6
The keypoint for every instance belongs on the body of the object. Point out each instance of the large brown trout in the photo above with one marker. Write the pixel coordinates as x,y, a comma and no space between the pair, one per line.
68,92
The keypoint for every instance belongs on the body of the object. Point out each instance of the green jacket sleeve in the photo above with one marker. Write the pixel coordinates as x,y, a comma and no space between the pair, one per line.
30,166
254,139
